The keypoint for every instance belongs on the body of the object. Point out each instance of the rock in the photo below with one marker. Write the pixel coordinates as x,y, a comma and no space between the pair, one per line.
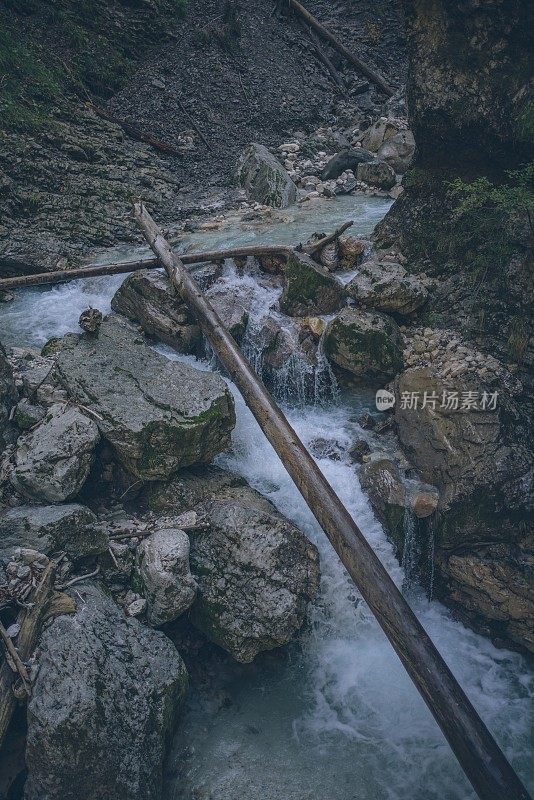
382,130
424,503
53,460
8,394
256,574
28,415
366,421
309,288
50,529
264,178
364,343
377,173
329,257
164,575
386,286
358,450
232,304
104,703
346,159
398,151
146,297
157,415
90,320
350,251
189,488
382,480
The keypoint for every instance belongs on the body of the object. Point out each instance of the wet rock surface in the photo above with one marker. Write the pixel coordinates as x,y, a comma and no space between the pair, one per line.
256,574
146,297
387,286
364,343
157,416
105,699
309,289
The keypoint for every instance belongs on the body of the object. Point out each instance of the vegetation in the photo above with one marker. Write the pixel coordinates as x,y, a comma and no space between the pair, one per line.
51,50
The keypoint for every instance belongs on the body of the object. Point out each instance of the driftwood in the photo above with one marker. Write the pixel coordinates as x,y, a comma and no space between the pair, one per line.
193,123
30,621
122,267
135,133
316,247
328,36
323,58
481,758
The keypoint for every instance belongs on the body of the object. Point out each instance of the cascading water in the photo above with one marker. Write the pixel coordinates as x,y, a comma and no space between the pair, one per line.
334,715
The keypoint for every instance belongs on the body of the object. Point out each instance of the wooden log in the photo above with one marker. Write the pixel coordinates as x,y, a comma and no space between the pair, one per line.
120,267
336,44
481,758
323,58
316,247
30,621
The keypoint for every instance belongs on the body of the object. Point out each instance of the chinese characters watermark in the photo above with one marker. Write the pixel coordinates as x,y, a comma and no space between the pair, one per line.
448,400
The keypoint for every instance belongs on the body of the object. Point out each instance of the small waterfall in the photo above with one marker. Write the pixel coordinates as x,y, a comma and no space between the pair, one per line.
411,552
326,389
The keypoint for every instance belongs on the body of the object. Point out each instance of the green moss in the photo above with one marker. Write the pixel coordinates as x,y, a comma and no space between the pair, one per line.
308,289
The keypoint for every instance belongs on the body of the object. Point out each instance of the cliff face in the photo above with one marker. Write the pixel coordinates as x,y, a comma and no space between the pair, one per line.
468,90
465,219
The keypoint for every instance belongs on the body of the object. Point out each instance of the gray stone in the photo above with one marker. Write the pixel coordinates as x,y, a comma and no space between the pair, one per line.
256,573
189,488
164,575
382,130
386,286
146,297
28,415
309,288
398,151
104,703
264,178
232,304
344,160
157,415
53,460
377,173
364,343
49,529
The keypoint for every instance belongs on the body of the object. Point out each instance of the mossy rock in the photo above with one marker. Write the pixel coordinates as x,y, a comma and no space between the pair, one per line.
364,343
309,288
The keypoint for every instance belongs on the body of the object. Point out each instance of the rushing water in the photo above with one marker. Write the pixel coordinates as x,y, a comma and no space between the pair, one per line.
334,715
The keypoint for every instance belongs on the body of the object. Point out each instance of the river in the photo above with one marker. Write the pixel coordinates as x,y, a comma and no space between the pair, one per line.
334,715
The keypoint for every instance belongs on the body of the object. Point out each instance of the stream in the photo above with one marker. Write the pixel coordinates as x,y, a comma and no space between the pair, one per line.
334,715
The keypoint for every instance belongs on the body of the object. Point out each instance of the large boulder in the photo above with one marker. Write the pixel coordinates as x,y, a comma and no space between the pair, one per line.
377,173
164,575
346,159
256,574
189,488
50,529
104,703
378,133
147,297
157,415
386,286
364,343
8,394
264,178
53,460
398,151
309,288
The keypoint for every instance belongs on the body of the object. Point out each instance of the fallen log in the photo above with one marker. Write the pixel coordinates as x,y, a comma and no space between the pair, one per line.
479,755
120,267
30,621
316,247
323,58
336,44
136,133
